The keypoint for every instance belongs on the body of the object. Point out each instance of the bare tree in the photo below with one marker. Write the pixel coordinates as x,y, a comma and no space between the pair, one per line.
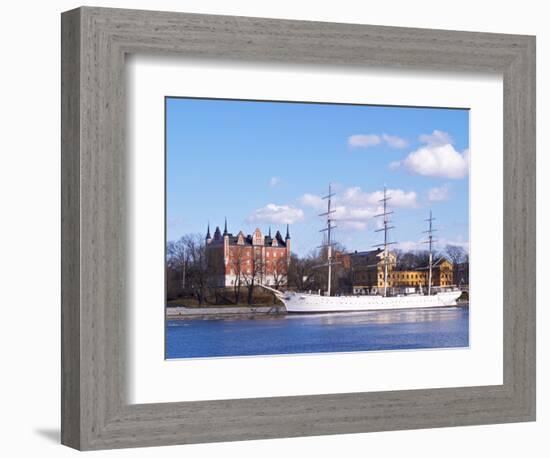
238,267
300,272
411,260
422,259
399,258
175,268
279,271
457,255
175,254
196,272
311,272
316,271
253,272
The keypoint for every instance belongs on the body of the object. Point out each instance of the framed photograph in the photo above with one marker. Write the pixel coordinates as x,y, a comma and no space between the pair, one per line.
257,290
279,228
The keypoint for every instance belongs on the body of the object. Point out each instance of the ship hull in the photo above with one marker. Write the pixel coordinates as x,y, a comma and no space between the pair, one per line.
311,303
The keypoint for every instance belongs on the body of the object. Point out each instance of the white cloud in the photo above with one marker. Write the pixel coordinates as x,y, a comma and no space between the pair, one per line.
439,194
353,218
355,209
274,181
368,140
439,244
363,140
436,158
459,241
311,200
394,165
436,138
351,225
277,214
410,245
438,161
394,141
399,198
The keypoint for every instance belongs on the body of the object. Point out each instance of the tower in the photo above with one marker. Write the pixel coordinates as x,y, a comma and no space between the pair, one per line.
208,236
287,244
226,247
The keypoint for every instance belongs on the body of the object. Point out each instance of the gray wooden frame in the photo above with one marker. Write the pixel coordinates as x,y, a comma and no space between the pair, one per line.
95,413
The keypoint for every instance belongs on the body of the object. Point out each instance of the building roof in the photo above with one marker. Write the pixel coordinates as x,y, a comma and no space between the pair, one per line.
247,240
365,257
370,253
217,234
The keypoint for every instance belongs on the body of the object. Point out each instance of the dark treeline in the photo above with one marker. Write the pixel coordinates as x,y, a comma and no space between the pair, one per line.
309,273
419,260
188,275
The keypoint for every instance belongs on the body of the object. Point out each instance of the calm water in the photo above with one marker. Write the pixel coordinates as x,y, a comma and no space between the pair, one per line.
331,332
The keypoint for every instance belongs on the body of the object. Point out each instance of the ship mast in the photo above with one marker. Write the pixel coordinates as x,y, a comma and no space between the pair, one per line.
328,230
430,242
386,227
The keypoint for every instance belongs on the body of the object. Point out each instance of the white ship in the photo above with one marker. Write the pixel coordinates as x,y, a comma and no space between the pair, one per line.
297,302
315,303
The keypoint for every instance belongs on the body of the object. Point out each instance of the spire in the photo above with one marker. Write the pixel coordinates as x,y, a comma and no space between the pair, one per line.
287,233
208,231
269,235
217,234
225,227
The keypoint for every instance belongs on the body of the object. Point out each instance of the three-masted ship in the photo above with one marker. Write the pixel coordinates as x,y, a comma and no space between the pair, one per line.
384,298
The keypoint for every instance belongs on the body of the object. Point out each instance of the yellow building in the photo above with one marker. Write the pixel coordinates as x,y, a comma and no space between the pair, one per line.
368,273
443,273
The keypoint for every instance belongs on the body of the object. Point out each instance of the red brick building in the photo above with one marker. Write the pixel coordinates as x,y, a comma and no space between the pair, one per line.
247,259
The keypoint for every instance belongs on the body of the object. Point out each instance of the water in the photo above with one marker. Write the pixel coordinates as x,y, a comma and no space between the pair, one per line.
317,333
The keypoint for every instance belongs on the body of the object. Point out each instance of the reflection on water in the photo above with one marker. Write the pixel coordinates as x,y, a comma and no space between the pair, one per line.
393,316
314,333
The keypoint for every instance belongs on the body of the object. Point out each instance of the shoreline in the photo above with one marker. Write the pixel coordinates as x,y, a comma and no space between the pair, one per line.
182,313
175,313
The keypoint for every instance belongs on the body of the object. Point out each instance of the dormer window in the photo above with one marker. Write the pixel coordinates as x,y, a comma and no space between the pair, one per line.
257,238
240,239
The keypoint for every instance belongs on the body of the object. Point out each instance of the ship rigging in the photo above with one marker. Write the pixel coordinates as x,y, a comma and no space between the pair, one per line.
299,302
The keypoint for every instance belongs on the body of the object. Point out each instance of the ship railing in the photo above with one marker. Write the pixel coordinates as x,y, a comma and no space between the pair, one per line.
273,290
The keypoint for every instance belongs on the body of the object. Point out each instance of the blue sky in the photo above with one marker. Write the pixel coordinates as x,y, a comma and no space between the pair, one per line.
264,164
